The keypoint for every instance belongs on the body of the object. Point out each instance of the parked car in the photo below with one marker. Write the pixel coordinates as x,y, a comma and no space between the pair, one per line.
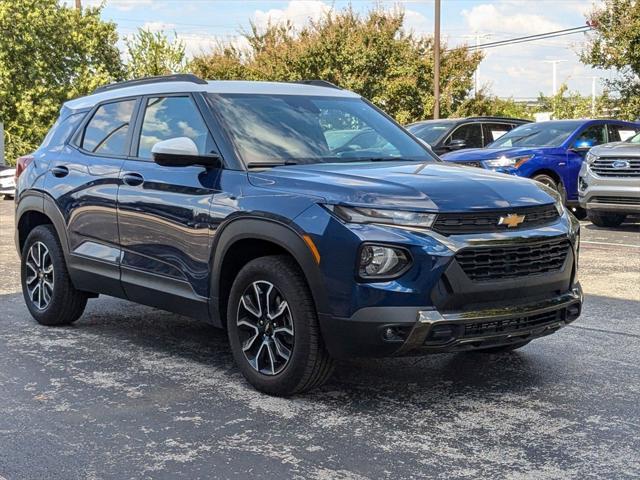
460,133
7,182
609,184
550,152
223,201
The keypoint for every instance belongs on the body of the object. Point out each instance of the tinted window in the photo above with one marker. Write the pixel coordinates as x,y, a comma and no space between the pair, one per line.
544,134
61,130
591,136
620,133
267,129
171,117
471,134
493,131
430,132
635,139
106,132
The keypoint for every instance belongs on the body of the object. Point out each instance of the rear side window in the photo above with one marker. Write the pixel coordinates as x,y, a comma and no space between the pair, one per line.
171,117
61,131
620,133
493,131
107,131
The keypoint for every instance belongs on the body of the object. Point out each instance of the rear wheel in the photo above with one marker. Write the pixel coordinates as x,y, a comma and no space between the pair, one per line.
273,328
606,219
550,182
48,292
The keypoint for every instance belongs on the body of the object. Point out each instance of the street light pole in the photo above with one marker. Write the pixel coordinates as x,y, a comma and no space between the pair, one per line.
555,73
436,61
478,37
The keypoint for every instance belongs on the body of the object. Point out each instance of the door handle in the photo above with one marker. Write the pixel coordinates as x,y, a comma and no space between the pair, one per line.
133,179
60,171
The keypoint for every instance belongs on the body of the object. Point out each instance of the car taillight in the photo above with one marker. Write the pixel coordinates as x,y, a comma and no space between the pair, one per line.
22,163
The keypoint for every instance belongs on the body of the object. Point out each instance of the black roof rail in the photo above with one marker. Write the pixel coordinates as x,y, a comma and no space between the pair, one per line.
494,117
178,77
318,83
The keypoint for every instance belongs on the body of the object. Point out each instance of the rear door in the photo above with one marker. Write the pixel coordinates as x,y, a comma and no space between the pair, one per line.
164,211
84,180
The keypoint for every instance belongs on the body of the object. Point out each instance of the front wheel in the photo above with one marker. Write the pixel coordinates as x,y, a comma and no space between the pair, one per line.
48,292
273,328
606,219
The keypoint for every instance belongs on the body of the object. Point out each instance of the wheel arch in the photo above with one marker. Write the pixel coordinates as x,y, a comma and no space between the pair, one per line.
244,239
36,209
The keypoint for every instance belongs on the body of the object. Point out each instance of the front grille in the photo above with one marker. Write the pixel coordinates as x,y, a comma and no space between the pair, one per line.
470,164
617,200
509,325
498,263
605,167
488,220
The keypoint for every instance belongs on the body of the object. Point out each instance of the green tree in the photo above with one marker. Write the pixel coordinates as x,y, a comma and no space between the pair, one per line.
566,104
615,44
371,54
48,54
485,104
150,54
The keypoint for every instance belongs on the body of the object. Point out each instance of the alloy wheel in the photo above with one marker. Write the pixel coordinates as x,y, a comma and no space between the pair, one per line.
39,276
265,328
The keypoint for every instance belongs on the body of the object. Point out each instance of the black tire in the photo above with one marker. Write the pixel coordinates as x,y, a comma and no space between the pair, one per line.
579,212
549,181
66,304
502,348
606,219
309,364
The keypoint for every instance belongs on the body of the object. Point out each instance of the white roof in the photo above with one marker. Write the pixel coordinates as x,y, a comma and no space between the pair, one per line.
215,86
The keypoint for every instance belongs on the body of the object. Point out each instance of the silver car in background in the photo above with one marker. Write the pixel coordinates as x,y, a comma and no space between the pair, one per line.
609,182
7,182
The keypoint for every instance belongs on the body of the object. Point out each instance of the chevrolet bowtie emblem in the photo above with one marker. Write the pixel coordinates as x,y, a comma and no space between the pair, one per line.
512,220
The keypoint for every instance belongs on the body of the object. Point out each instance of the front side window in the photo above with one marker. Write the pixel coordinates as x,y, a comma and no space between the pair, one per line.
107,131
470,134
591,136
276,129
172,117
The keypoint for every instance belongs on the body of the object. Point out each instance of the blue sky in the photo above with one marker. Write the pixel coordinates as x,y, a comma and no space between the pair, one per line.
518,71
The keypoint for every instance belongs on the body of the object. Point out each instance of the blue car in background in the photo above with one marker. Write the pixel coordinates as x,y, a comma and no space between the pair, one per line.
550,152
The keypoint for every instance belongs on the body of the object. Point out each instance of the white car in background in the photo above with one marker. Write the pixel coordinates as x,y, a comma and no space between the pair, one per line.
7,182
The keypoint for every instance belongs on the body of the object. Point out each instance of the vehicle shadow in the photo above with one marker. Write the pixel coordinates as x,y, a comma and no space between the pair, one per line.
630,225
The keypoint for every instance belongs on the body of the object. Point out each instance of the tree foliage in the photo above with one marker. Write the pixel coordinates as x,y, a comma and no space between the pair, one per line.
615,44
150,54
485,104
48,54
371,54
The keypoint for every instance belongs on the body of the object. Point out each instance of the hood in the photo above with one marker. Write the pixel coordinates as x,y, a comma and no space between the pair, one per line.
476,154
405,185
617,149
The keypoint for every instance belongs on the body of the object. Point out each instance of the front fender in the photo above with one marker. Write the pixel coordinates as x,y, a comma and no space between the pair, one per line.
271,230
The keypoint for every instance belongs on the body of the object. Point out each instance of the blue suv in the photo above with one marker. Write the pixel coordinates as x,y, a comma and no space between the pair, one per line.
549,152
298,217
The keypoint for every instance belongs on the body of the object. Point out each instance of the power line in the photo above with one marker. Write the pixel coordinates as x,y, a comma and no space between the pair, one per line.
531,38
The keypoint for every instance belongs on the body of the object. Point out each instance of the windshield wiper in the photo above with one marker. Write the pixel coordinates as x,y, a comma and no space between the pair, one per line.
270,164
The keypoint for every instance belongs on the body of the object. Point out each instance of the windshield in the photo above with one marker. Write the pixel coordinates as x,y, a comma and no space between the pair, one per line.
635,139
430,132
270,130
536,135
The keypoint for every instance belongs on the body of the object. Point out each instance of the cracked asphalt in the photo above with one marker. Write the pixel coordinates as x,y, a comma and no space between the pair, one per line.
133,392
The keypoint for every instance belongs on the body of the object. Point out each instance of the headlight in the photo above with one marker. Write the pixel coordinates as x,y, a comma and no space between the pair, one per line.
591,158
389,217
503,161
382,261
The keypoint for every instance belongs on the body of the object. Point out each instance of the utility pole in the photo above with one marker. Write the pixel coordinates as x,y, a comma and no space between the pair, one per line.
78,4
436,62
555,73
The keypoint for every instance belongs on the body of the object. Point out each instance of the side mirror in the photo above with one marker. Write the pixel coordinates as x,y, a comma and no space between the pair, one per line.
580,149
181,152
457,144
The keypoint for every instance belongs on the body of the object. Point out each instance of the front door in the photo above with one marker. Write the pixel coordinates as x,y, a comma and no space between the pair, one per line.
163,212
589,136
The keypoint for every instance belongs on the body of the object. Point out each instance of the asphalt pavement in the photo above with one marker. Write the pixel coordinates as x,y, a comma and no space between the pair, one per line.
133,392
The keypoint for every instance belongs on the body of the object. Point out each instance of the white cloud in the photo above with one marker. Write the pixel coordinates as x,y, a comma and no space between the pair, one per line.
199,43
158,26
489,17
416,22
298,12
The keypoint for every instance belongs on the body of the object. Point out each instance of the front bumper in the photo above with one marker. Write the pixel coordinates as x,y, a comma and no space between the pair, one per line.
610,194
381,331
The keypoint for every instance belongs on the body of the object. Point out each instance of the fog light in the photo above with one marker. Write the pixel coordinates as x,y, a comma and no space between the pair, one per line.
382,262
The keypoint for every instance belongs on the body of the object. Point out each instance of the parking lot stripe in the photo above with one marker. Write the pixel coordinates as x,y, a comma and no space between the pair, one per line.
609,243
